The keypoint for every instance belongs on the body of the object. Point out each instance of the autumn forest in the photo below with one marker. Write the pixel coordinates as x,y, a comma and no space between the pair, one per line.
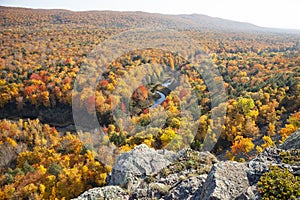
47,72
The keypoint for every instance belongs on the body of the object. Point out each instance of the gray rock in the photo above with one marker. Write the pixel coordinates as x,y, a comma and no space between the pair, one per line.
178,180
250,194
104,193
292,142
187,188
262,162
132,167
153,190
225,181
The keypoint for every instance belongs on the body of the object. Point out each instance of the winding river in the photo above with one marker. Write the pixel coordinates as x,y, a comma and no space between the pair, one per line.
162,95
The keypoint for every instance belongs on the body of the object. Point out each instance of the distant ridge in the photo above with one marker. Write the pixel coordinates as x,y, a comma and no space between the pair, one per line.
118,19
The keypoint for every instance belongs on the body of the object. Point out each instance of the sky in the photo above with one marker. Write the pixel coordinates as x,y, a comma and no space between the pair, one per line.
267,13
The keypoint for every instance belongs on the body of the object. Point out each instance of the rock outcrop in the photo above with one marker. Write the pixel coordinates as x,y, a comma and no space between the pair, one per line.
226,180
145,173
104,193
132,167
262,162
179,180
292,142
187,189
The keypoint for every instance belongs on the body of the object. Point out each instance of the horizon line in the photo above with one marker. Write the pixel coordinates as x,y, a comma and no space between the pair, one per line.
148,12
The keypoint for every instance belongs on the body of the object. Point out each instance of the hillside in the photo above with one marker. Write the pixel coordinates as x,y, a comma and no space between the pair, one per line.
80,92
114,19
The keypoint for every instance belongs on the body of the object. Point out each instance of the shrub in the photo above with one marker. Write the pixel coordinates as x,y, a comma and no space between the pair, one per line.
279,184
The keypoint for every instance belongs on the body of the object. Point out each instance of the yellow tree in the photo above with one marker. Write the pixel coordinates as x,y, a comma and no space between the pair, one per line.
240,148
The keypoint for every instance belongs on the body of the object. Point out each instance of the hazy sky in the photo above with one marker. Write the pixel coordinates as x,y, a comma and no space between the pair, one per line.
268,13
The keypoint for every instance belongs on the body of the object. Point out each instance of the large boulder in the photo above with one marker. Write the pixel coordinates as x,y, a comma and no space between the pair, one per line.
132,167
104,193
226,180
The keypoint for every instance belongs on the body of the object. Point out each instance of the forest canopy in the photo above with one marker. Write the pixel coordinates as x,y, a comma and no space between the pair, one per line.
45,156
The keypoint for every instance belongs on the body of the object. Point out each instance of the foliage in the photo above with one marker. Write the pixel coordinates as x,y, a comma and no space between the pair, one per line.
240,148
44,165
42,52
291,157
292,126
279,184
